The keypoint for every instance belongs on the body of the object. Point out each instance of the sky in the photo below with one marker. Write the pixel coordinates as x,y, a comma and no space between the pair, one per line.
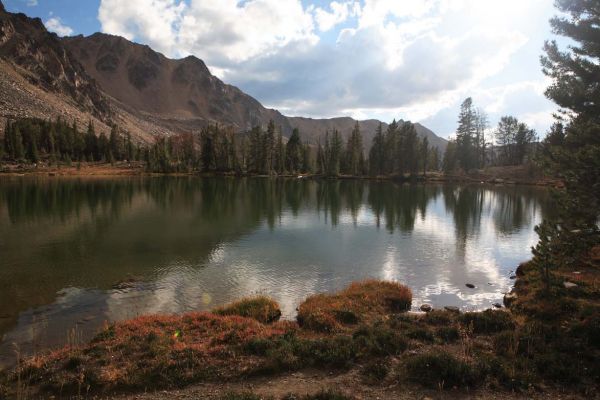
414,60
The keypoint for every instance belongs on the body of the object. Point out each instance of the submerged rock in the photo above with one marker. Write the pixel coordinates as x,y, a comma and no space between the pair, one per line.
470,286
497,305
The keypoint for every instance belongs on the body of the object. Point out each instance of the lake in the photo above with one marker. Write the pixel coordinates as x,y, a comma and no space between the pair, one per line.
78,252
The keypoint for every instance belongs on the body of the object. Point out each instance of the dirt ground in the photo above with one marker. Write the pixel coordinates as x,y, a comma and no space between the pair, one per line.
348,383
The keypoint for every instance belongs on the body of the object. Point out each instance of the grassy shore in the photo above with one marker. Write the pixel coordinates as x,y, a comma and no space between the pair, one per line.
544,343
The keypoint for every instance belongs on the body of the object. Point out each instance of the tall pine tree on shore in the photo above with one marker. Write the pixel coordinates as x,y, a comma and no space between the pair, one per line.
572,148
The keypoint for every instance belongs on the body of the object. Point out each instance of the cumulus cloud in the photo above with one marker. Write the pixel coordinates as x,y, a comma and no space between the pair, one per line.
54,24
409,59
32,3
339,13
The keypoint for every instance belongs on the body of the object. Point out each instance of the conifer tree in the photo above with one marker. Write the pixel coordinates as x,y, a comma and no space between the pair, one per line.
572,151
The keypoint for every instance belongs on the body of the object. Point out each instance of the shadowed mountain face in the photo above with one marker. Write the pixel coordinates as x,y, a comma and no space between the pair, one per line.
149,82
44,62
115,80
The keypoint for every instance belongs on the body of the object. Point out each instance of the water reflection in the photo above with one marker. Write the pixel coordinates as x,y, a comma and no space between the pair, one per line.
189,243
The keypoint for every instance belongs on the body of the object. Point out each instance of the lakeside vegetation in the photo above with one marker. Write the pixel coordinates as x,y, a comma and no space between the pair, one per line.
363,327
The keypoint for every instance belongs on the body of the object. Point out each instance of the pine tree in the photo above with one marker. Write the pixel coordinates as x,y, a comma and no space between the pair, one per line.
466,152
573,151
280,155
377,152
425,154
293,152
354,152
269,144
18,151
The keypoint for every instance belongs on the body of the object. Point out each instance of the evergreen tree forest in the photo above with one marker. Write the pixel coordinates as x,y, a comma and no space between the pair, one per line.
476,146
397,151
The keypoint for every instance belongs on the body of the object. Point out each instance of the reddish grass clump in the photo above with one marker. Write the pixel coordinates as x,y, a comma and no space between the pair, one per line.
260,308
153,351
359,302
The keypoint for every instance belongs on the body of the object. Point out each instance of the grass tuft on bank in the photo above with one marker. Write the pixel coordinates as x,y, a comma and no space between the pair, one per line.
261,308
360,302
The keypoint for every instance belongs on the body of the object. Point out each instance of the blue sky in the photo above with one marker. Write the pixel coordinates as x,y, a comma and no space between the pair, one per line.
405,59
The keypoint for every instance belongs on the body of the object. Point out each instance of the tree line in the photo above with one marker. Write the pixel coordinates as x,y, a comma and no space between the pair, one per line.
34,140
396,151
511,143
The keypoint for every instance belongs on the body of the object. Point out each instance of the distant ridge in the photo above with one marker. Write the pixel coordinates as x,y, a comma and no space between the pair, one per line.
112,80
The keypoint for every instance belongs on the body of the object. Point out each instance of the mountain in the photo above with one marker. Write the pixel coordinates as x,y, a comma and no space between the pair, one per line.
170,90
109,79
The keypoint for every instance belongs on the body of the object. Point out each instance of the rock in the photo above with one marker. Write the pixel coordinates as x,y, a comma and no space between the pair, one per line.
452,309
512,277
509,298
470,286
520,269
569,285
497,305
426,308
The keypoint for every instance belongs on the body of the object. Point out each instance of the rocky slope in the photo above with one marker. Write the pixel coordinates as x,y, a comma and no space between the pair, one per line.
111,79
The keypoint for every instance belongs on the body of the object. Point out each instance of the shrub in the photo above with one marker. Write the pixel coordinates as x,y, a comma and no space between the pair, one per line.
439,317
379,341
323,395
420,334
375,371
261,308
361,301
505,343
447,334
438,369
488,321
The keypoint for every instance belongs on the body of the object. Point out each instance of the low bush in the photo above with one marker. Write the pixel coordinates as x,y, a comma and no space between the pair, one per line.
375,371
379,341
261,308
439,317
439,369
488,321
447,334
505,343
322,395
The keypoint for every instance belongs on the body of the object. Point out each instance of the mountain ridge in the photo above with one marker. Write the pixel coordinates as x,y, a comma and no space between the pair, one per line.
115,80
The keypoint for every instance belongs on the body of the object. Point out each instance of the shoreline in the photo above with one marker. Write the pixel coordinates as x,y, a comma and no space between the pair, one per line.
359,341
120,169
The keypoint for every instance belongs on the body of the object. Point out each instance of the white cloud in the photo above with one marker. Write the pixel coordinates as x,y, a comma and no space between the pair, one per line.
339,13
54,24
32,3
412,59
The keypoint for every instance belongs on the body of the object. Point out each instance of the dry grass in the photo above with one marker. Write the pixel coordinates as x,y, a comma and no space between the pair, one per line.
359,303
260,308
153,351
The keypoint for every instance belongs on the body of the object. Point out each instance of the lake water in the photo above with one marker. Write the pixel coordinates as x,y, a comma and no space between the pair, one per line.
75,253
